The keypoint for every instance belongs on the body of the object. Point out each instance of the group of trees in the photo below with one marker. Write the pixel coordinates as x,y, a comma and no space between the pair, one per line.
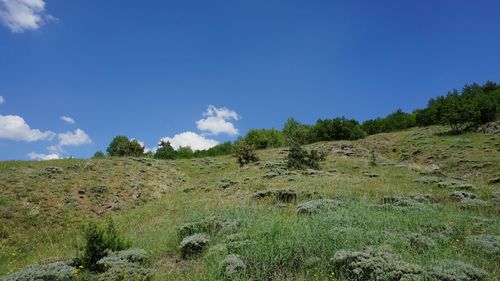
473,106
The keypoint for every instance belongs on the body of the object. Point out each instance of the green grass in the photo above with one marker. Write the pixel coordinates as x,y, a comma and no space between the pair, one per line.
278,244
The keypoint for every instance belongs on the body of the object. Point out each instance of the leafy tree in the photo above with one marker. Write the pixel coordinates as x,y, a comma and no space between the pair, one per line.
165,151
99,155
184,152
395,121
265,138
339,128
122,146
296,132
244,153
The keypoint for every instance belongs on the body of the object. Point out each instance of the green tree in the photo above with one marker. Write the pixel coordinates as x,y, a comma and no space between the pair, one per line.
265,138
296,132
122,146
165,151
184,152
99,155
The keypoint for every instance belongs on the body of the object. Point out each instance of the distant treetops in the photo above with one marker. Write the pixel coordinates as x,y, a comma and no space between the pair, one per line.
461,111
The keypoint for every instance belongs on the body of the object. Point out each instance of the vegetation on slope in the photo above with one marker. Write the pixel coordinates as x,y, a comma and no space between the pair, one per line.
387,197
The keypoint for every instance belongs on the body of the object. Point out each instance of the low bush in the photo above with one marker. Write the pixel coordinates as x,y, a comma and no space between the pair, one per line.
56,271
374,264
314,206
232,266
299,158
486,244
244,153
456,271
193,245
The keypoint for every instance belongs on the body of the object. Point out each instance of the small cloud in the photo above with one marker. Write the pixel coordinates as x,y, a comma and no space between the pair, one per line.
13,127
218,121
41,156
191,139
2,100
68,119
76,138
22,15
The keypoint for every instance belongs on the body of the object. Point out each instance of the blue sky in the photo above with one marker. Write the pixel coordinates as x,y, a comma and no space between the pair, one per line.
151,69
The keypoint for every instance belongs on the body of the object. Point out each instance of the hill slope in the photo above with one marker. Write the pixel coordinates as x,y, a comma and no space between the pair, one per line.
401,207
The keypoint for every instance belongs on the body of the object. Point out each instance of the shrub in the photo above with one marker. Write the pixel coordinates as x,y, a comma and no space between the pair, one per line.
419,242
134,255
232,266
122,146
244,153
456,271
56,271
285,195
99,155
98,242
487,244
373,264
126,271
314,206
193,245
125,265
299,159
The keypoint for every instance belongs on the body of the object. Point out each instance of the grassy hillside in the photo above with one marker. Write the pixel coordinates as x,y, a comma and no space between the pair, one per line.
400,204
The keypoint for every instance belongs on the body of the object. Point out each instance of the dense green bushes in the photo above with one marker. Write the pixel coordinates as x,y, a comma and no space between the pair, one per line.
122,146
396,121
473,106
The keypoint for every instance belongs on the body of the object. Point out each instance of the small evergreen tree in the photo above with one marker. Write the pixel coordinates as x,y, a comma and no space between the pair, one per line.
165,151
98,242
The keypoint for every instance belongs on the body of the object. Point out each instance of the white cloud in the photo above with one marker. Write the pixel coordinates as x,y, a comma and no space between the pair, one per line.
218,121
78,137
41,156
21,15
2,100
191,139
13,127
68,119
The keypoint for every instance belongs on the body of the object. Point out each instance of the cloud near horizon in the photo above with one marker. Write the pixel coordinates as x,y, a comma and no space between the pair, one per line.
41,156
218,121
13,127
2,100
75,138
191,139
22,15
